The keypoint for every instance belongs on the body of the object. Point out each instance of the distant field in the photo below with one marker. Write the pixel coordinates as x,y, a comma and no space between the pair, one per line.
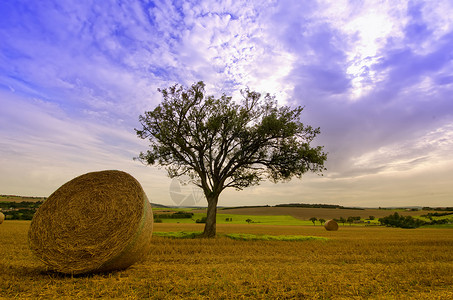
241,219
356,262
296,216
8,198
325,213
262,220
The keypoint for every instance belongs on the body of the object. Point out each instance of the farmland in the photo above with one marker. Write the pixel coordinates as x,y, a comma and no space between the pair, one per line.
307,213
300,215
14,198
355,262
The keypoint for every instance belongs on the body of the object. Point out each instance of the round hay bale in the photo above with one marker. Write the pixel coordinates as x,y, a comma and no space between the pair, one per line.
2,217
331,225
97,222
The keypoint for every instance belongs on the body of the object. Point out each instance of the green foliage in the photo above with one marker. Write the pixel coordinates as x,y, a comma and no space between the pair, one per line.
307,205
439,208
351,220
220,143
15,205
20,214
202,220
397,220
437,214
246,206
176,215
440,222
19,210
217,141
313,219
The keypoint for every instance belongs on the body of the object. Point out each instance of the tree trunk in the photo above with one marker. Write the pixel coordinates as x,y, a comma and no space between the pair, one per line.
210,226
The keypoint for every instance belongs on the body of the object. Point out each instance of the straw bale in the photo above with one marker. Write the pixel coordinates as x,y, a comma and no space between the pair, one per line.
331,225
2,217
97,222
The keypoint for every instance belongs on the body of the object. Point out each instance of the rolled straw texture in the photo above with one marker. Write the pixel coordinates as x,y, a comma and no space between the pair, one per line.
2,217
331,225
97,222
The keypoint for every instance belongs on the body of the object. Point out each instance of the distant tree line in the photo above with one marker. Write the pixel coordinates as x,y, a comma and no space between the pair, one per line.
438,208
19,214
5,205
19,210
238,207
437,214
176,215
21,197
397,220
307,205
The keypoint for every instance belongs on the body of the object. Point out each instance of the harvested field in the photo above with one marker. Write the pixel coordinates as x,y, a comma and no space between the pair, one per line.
355,263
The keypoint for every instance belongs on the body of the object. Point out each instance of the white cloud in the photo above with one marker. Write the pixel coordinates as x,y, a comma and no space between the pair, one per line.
43,147
79,75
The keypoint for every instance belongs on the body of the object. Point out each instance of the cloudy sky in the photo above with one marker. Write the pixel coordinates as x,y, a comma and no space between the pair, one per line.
376,76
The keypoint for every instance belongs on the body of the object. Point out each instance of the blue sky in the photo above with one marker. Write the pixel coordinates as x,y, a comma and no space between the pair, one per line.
376,76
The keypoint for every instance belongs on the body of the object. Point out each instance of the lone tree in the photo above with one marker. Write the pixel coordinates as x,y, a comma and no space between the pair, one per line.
313,219
220,143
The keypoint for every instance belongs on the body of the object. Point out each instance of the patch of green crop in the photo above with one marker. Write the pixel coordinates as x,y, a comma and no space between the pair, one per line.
179,234
240,236
266,237
245,219
264,220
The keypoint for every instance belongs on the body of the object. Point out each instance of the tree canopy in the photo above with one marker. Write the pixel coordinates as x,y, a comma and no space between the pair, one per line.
221,143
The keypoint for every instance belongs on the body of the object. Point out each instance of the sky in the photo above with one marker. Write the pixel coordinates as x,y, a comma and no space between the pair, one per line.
375,76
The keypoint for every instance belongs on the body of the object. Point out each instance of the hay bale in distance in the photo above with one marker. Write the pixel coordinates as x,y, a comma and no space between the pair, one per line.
97,222
331,225
2,217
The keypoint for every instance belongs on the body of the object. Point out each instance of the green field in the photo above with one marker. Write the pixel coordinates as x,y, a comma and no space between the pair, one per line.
356,262
241,219
297,216
286,220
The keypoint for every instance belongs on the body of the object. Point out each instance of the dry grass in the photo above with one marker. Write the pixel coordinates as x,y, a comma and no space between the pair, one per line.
356,263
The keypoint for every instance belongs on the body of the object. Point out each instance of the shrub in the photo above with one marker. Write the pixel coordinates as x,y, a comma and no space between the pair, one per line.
396,220
176,215
202,220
